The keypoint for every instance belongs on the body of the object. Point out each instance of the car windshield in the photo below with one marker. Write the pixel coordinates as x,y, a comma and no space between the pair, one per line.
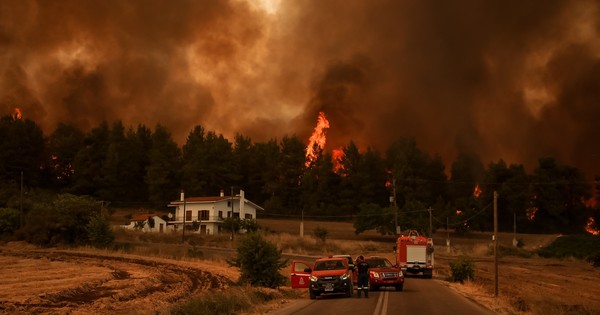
379,263
330,265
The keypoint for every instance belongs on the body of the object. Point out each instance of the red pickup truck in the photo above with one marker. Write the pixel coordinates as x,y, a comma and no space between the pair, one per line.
383,274
327,276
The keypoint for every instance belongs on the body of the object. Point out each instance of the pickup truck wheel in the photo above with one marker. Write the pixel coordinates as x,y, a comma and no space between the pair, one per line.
312,295
399,287
373,288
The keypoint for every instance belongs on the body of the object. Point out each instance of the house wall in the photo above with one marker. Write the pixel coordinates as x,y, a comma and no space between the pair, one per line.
158,221
238,204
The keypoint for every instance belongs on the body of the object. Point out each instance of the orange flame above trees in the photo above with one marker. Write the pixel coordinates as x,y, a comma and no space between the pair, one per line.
477,191
17,115
337,155
591,227
317,139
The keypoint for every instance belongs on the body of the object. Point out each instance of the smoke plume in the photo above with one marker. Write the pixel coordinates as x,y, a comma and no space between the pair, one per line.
516,80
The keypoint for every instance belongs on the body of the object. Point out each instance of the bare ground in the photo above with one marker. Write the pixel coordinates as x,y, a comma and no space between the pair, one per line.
50,281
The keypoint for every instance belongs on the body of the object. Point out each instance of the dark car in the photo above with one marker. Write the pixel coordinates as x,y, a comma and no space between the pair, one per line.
383,274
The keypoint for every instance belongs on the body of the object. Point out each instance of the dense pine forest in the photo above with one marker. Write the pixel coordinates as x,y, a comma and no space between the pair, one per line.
135,166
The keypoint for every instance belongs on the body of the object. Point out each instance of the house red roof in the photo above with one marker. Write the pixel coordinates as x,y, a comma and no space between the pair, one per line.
143,216
206,199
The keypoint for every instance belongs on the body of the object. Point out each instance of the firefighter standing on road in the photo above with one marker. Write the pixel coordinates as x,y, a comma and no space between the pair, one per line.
363,276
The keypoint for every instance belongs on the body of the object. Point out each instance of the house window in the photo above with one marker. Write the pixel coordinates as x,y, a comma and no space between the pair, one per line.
204,215
228,204
248,216
220,214
188,215
229,214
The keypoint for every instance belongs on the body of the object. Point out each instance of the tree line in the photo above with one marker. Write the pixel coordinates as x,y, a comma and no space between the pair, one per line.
136,166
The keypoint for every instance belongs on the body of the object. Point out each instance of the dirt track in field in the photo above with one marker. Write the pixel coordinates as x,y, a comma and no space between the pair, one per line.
34,281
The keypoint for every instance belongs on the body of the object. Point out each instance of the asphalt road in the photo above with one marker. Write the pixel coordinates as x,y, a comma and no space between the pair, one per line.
420,296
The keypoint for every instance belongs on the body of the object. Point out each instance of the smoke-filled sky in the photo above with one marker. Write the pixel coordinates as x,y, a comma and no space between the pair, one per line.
507,79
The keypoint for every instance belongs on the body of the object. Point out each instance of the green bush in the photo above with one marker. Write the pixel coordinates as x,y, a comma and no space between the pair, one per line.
579,246
259,262
462,269
320,233
9,220
99,232
250,225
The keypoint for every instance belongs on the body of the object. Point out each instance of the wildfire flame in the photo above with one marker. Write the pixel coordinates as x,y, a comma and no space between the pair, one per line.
530,212
17,115
458,212
477,192
337,155
317,139
591,227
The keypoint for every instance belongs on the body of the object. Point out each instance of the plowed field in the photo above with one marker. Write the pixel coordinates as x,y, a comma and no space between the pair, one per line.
34,281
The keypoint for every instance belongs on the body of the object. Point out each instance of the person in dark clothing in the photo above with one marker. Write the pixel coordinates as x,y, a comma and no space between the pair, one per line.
363,276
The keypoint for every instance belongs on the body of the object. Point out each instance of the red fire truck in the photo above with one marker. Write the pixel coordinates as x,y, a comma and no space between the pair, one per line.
414,253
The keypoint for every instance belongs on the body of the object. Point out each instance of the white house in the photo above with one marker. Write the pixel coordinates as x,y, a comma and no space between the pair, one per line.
149,222
208,212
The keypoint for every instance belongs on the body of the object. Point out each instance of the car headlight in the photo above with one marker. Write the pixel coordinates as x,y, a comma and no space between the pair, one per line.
313,279
375,274
344,277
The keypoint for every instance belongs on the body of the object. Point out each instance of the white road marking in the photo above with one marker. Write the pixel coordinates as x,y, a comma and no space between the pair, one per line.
382,304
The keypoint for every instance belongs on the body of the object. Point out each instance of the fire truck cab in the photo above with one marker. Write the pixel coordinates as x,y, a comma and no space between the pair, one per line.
414,253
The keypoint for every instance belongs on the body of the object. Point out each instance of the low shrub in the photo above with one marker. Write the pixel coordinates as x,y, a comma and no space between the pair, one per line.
578,246
320,233
462,269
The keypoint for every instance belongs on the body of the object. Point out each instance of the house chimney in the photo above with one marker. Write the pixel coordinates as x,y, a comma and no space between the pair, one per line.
222,193
182,196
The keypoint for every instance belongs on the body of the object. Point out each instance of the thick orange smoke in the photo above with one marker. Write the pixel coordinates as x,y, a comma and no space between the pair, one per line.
513,80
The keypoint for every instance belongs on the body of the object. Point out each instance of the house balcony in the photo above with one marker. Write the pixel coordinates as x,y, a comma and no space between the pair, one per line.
210,219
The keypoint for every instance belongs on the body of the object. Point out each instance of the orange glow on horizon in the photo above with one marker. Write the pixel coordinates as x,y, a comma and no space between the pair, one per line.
590,203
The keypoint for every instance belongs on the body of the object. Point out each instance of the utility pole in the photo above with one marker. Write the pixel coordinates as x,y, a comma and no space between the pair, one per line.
21,214
447,236
232,216
184,214
495,244
430,224
395,205
302,224
514,229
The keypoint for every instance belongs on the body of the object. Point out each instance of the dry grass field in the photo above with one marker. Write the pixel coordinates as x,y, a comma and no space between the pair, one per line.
155,271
